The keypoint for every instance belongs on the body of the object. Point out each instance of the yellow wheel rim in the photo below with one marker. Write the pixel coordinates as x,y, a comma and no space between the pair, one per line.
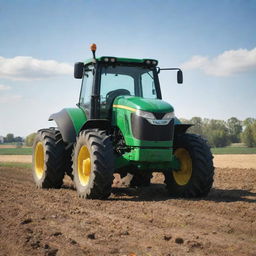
39,160
183,175
84,165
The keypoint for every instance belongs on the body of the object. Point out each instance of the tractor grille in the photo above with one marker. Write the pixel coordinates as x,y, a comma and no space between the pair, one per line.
143,130
158,115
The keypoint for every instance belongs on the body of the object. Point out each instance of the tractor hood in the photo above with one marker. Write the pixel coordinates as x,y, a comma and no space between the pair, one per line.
134,103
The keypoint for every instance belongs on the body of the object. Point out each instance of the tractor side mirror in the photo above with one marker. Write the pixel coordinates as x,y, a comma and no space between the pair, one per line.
78,70
179,77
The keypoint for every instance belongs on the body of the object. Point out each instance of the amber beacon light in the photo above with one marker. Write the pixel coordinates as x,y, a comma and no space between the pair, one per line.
93,49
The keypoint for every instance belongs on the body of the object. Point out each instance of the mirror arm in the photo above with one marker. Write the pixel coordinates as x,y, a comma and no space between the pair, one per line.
168,69
179,73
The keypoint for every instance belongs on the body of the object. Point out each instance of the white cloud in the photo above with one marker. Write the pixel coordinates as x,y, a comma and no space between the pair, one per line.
4,87
228,63
28,68
195,62
9,98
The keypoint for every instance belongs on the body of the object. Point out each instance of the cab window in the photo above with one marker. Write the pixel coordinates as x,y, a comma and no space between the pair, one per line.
86,90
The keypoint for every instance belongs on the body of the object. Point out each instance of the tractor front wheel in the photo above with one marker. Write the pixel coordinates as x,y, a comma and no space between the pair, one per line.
93,164
195,176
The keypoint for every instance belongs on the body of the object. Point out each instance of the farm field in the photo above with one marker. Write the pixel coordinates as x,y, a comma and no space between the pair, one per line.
245,161
15,158
16,151
138,222
233,150
11,146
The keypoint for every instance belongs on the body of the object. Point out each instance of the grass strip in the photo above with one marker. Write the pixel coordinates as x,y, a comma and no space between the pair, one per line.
12,164
15,151
233,150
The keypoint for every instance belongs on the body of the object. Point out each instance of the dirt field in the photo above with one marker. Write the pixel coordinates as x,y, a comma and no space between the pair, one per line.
235,161
132,222
16,158
10,146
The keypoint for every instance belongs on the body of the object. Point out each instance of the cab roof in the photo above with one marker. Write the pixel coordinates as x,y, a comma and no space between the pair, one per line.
112,59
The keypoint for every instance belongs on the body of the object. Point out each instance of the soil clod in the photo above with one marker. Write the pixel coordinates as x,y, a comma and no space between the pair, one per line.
91,236
167,237
26,221
179,240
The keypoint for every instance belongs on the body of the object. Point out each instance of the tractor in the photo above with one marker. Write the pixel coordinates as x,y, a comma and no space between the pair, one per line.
121,125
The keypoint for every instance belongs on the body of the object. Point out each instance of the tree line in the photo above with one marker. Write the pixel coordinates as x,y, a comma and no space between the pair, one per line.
28,141
10,138
220,133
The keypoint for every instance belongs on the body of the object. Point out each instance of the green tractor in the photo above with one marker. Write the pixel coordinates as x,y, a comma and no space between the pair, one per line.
121,125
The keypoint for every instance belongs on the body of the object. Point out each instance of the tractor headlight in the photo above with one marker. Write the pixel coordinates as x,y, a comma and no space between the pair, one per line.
145,114
169,115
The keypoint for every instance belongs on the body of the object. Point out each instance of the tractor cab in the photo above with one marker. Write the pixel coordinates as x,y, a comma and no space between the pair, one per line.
105,78
115,77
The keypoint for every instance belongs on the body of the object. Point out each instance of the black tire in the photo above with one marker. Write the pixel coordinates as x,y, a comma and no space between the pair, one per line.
48,159
97,184
68,162
201,179
141,179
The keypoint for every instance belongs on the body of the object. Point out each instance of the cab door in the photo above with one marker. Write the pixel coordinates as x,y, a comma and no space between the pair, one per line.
86,90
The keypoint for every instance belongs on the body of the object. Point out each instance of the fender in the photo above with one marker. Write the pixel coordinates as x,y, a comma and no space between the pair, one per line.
103,124
181,128
69,122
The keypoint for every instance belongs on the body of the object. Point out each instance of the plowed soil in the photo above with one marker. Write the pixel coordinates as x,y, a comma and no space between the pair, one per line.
141,221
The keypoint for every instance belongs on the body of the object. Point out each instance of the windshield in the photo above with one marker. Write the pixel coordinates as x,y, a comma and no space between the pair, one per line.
127,80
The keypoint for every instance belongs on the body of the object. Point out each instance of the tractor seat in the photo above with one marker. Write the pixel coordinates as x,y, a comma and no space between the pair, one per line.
110,97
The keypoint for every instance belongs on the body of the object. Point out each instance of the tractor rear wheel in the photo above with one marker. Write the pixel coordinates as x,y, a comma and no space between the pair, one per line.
93,164
48,159
195,176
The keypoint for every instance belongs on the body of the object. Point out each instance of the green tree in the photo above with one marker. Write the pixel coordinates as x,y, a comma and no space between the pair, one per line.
30,139
197,127
234,129
249,121
249,133
18,139
219,138
9,138
216,132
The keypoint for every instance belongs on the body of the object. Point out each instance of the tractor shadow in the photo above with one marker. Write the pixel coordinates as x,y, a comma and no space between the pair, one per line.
154,192
158,192
231,195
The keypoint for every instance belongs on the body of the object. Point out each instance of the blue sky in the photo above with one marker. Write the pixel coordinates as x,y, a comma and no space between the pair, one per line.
213,41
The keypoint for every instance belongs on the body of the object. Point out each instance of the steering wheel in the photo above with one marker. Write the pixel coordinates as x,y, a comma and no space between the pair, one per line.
110,97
